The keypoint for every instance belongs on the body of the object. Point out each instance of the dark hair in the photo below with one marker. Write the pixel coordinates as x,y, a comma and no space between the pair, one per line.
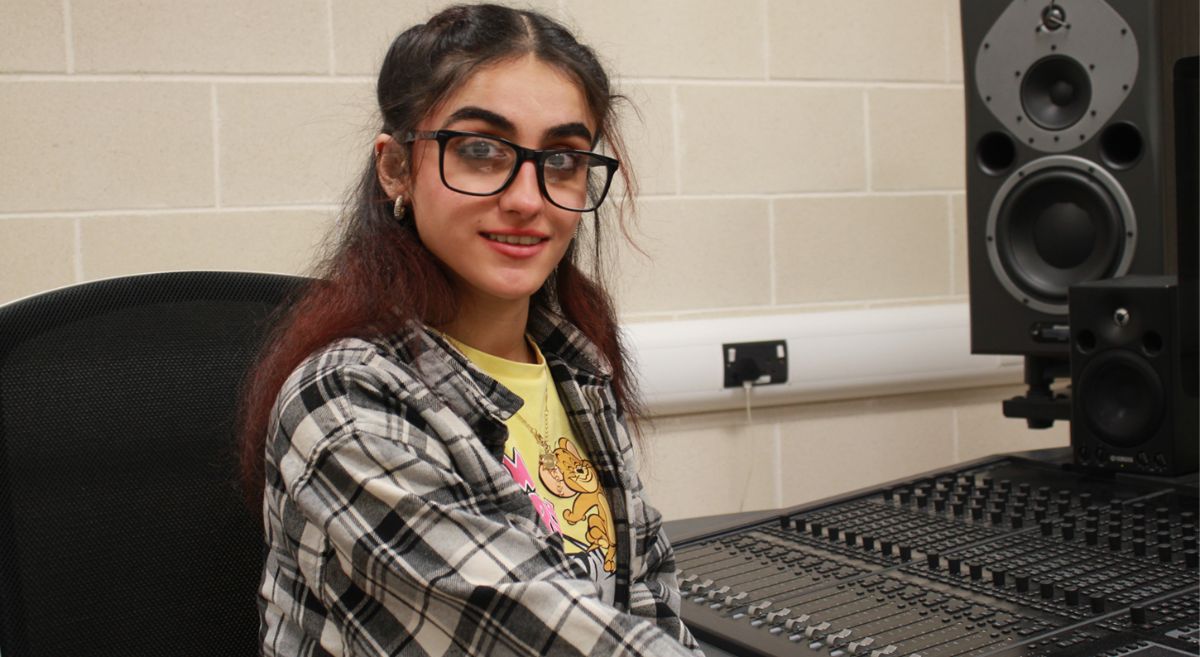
378,276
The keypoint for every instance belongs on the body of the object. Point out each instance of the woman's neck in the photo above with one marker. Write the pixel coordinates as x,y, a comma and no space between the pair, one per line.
494,327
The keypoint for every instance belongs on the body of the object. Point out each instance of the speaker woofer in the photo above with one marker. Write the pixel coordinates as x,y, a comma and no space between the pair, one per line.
1058,222
1122,398
1056,92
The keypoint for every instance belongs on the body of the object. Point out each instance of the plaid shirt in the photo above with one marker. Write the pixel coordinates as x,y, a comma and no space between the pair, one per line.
393,528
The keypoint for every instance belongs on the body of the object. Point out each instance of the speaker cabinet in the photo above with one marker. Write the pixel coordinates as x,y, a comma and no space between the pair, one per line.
1133,375
1071,156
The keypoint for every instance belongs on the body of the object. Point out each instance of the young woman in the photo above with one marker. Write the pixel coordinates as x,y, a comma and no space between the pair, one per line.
439,422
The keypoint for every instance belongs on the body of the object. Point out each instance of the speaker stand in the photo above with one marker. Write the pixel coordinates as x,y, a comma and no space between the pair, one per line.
1041,405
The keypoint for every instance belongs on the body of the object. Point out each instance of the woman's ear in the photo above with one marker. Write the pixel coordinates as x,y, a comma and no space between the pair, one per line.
391,165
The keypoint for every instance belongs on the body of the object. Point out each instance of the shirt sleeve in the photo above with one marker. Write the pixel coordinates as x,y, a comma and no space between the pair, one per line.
655,595
409,556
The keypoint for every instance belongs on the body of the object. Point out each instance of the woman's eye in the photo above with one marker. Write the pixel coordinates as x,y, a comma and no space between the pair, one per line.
480,149
562,162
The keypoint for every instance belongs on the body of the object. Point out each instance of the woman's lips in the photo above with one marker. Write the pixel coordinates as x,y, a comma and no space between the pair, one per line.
514,245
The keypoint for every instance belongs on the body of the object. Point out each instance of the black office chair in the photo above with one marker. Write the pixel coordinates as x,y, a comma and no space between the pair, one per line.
123,530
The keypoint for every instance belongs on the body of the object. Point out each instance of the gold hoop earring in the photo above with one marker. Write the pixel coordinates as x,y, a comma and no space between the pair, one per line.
398,207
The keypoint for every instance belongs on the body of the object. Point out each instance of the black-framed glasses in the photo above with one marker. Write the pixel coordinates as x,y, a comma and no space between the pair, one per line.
482,165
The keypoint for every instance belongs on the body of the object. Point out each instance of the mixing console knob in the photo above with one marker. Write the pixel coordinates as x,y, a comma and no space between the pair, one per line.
774,616
1022,581
1046,590
1139,521
1139,532
1068,532
1139,509
1139,547
977,513
1163,537
1191,558
1093,511
1064,506
1115,505
716,593
1162,513
831,533
1017,521
817,631
1072,595
1047,527
959,509
1043,492
885,548
1006,484
954,564
922,501
1162,525
851,537
939,505
800,524
868,542
700,586
998,577
1091,523
793,624
1039,512
905,496
1164,552
815,528
1091,537
985,482
888,495
856,646
1098,604
1064,495
1024,488
976,571
757,607
1085,499
1137,615
905,553
1114,542
785,523
997,517
731,600
933,560
839,639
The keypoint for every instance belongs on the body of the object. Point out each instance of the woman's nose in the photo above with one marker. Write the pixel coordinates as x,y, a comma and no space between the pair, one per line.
523,195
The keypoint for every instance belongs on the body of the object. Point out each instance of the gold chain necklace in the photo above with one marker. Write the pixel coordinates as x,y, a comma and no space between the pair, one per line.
546,458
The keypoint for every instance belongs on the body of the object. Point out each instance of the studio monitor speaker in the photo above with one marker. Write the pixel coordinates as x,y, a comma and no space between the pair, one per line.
1133,377
1074,132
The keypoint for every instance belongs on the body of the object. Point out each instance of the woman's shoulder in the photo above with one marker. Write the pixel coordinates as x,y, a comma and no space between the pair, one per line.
353,366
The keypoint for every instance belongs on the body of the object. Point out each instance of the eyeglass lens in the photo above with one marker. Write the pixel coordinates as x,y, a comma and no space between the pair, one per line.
478,165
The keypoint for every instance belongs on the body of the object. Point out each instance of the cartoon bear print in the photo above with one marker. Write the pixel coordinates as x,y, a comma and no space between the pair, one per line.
580,476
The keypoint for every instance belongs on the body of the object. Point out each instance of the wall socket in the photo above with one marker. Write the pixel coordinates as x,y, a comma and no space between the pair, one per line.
760,363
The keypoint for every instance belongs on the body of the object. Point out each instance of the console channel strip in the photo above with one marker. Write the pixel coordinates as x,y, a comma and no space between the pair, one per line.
1004,557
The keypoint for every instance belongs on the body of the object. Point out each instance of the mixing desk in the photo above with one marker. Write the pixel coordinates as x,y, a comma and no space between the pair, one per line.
1007,556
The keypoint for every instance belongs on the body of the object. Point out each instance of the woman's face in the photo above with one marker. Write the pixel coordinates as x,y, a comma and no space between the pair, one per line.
501,247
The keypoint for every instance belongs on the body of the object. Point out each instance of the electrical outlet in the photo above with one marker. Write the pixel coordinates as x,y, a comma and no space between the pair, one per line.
760,363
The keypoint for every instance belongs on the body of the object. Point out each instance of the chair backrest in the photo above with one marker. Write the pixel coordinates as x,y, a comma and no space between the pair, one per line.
123,529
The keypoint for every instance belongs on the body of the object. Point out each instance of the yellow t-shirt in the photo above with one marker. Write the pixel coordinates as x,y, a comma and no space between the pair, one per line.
545,459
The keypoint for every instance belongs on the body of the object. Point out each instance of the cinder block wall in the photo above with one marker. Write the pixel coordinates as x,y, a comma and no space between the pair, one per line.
793,155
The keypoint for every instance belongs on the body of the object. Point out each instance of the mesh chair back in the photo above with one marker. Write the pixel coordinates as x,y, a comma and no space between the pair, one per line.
123,530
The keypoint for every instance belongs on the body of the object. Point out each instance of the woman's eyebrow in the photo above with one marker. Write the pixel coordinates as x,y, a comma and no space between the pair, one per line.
569,130
471,112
